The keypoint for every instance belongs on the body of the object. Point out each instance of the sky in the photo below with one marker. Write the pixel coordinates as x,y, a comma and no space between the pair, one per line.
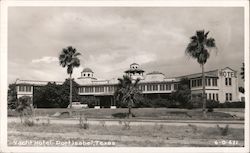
111,38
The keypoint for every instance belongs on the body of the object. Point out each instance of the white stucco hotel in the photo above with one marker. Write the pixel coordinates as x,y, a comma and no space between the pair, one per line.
221,85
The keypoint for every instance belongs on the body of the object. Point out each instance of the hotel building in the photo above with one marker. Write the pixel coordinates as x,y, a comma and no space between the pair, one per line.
221,85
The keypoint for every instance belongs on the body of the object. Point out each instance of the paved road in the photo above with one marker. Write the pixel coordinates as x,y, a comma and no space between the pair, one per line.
135,122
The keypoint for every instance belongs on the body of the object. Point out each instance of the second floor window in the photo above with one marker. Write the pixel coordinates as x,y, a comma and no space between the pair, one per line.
228,81
155,87
25,88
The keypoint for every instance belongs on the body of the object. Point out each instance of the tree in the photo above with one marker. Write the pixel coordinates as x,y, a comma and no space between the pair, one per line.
199,49
69,58
24,107
47,96
53,95
183,94
241,89
12,96
242,73
64,91
128,92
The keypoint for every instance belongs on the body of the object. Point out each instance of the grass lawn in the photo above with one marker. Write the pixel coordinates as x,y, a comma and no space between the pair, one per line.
156,135
145,113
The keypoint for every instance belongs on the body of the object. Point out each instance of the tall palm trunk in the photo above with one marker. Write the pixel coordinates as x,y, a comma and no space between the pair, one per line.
203,92
70,92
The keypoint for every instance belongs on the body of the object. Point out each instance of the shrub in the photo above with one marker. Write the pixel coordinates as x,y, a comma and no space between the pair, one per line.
28,122
189,105
126,125
122,115
223,131
83,122
24,108
210,109
90,100
194,128
103,124
232,105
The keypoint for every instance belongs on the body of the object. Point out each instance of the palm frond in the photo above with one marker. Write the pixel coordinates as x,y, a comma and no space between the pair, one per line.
206,34
202,59
68,57
210,43
200,35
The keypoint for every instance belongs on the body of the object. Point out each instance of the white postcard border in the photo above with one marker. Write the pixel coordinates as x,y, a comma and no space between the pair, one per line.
179,3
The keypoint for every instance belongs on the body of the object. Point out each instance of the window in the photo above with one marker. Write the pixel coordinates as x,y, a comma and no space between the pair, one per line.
83,74
81,90
230,97
209,96
226,96
21,88
199,82
88,89
143,87
209,82
226,81
155,87
149,87
28,88
25,88
213,96
101,89
97,89
162,87
175,86
230,81
214,81
168,86
217,97
88,74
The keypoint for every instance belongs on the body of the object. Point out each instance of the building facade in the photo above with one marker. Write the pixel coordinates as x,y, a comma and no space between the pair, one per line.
221,85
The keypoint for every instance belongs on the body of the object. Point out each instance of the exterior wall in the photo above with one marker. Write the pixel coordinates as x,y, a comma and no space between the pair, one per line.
155,77
211,88
230,89
25,92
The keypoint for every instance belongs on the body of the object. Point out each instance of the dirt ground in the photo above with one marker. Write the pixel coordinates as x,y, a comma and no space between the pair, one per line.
122,135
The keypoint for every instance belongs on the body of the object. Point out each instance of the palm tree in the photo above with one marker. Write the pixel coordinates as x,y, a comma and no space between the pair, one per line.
199,49
242,73
128,91
24,107
69,58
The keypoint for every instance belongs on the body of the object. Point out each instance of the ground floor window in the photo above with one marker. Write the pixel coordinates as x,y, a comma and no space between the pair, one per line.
229,97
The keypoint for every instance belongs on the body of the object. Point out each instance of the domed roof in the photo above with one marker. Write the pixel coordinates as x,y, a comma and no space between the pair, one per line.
87,70
134,64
